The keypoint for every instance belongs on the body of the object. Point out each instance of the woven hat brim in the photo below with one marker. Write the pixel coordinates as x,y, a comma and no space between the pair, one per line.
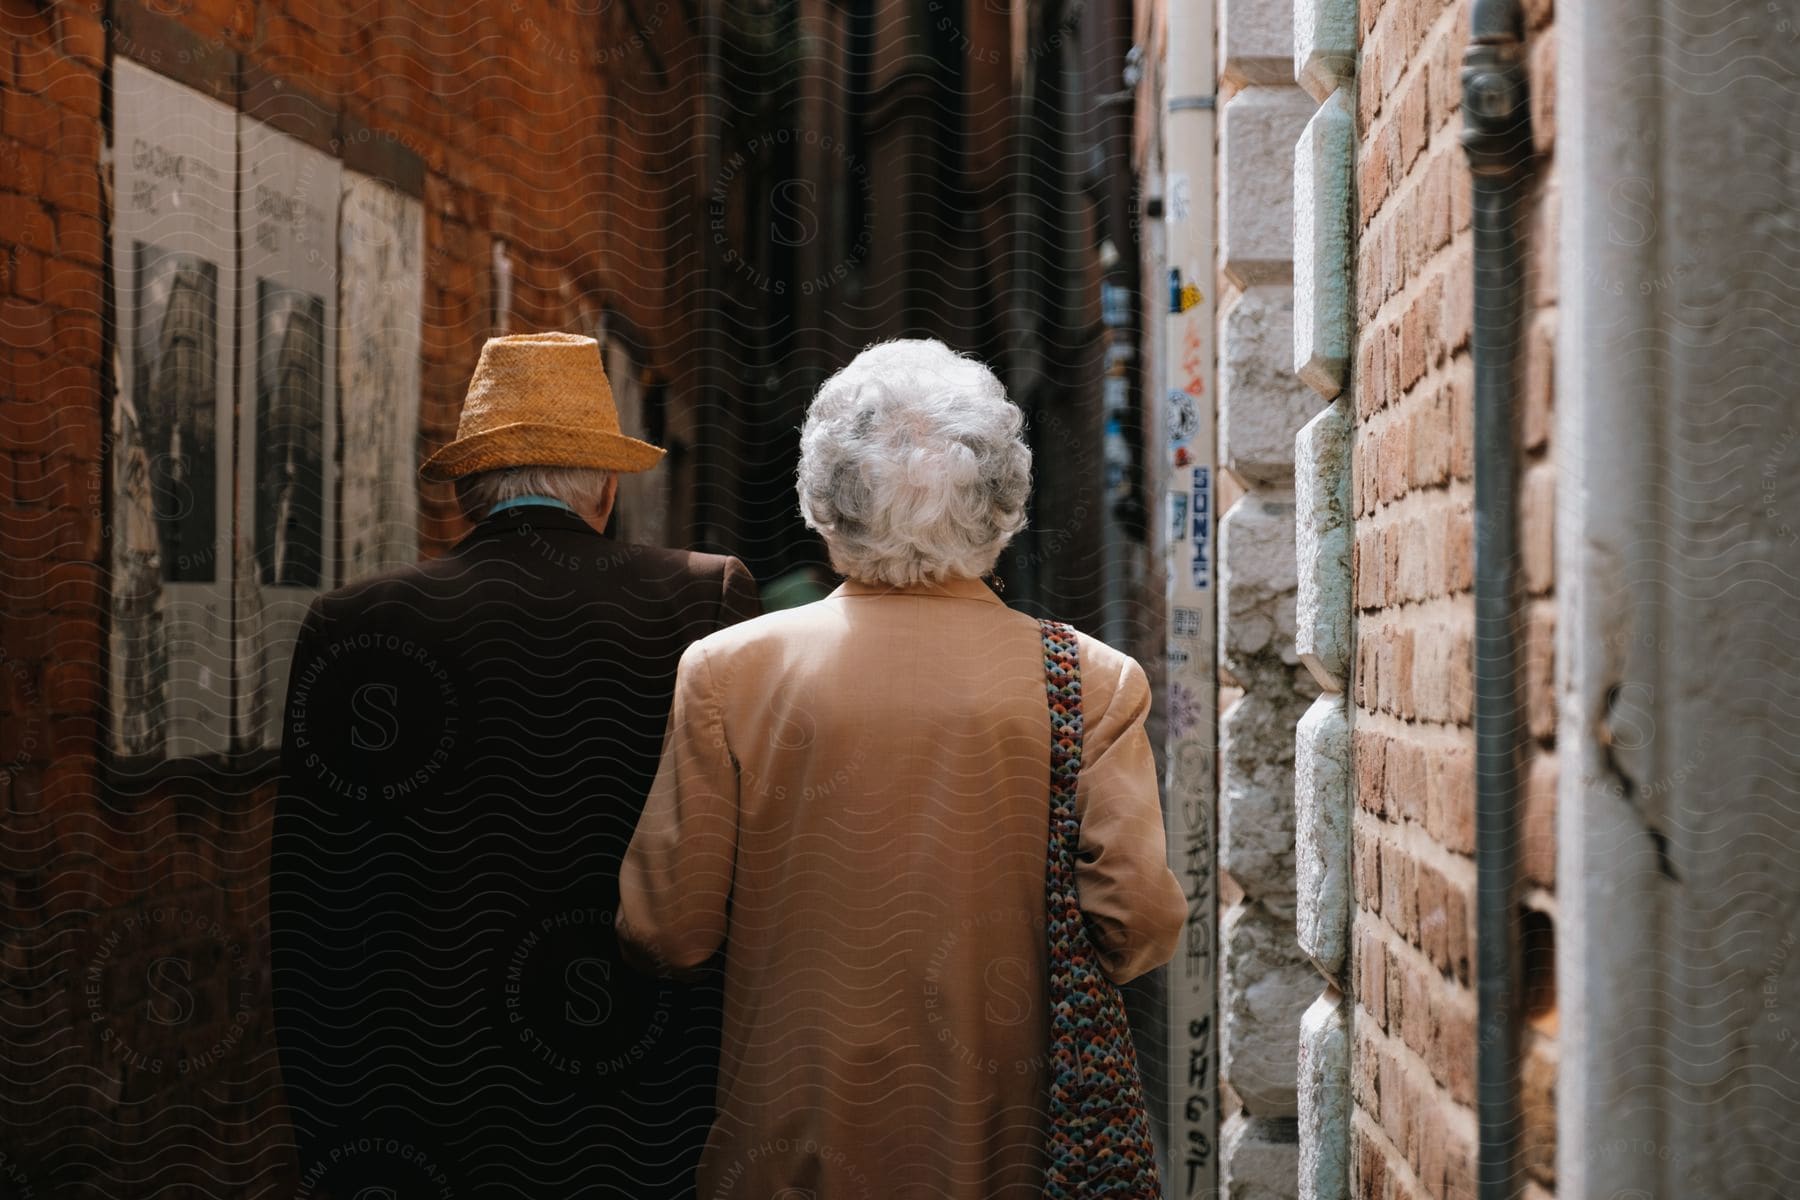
530,444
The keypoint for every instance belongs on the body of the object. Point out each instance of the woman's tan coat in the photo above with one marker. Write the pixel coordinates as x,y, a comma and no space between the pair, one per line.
854,796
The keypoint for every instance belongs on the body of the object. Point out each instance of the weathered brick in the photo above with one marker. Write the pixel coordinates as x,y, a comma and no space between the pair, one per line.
80,237
1370,973
1406,779
26,273
1537,527
72,285
1537,661
32,120
1540,65
24,325
1369,753
1540,369
1365,868
1538,821
1399,899
1450,797
1414,120
1371,1168
72,185
1429,438
24,222
1459,547
80,36
1537,1110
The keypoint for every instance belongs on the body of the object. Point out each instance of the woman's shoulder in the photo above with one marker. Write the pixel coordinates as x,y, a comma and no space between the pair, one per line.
768,631
1108,673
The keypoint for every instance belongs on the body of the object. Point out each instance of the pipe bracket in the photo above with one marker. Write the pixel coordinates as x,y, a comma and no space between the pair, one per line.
1496,108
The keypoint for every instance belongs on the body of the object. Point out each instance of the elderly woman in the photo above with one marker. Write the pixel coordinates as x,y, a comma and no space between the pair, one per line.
853,798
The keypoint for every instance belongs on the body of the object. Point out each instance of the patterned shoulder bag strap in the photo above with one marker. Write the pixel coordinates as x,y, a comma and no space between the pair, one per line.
1099,1136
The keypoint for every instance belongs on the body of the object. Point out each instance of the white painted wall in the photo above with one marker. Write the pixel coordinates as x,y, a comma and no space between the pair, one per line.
1678,576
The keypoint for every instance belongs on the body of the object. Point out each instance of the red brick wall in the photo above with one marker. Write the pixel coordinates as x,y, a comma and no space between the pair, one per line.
135,911
1412,961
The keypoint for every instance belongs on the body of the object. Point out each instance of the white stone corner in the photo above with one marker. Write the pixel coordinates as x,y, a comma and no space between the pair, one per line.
1322,833
1322,537
1325,1100
1324,45
1324,169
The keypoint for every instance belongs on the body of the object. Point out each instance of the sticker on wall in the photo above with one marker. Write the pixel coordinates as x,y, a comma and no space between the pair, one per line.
1187,622
1178,510
1180,193
1181,418
169,528
1202,527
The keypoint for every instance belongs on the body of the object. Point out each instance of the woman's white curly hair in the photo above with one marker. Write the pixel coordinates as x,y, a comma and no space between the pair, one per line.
912,466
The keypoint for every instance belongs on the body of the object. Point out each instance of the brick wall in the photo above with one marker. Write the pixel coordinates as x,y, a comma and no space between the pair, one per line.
132,968
1413,1047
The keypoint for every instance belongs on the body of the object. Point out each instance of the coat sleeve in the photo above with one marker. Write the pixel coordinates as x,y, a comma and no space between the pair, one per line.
676,875
740,599
1133,903
310,956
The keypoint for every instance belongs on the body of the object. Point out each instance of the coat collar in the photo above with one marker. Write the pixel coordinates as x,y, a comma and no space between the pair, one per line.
523,518
962,587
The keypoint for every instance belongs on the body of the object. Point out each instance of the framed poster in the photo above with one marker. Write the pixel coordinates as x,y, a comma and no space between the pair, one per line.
170,524
381,240
286,551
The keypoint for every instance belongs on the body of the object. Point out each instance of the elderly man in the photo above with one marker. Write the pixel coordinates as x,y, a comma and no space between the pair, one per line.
467,748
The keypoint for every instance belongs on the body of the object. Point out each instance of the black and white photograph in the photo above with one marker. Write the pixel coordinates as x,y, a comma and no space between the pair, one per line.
290,449
175,384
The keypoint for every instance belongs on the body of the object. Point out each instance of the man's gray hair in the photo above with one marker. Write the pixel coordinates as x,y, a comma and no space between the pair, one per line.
912,466
581,488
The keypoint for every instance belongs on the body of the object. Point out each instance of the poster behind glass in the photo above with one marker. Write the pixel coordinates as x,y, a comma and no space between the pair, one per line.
169,513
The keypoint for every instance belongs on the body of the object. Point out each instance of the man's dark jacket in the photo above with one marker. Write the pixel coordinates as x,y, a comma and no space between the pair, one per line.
468,745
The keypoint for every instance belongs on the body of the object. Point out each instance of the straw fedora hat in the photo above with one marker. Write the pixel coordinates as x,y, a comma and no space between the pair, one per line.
539,400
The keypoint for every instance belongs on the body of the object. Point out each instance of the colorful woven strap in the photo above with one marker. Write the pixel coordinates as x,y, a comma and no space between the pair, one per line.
1099,1132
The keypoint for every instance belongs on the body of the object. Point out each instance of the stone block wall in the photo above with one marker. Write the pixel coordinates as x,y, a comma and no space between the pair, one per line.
1266,981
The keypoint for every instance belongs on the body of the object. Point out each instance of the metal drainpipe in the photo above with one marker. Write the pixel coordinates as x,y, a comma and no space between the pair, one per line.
1497,137
1498,141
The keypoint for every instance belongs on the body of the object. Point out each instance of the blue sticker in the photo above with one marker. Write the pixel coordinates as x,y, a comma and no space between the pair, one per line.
1202,527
